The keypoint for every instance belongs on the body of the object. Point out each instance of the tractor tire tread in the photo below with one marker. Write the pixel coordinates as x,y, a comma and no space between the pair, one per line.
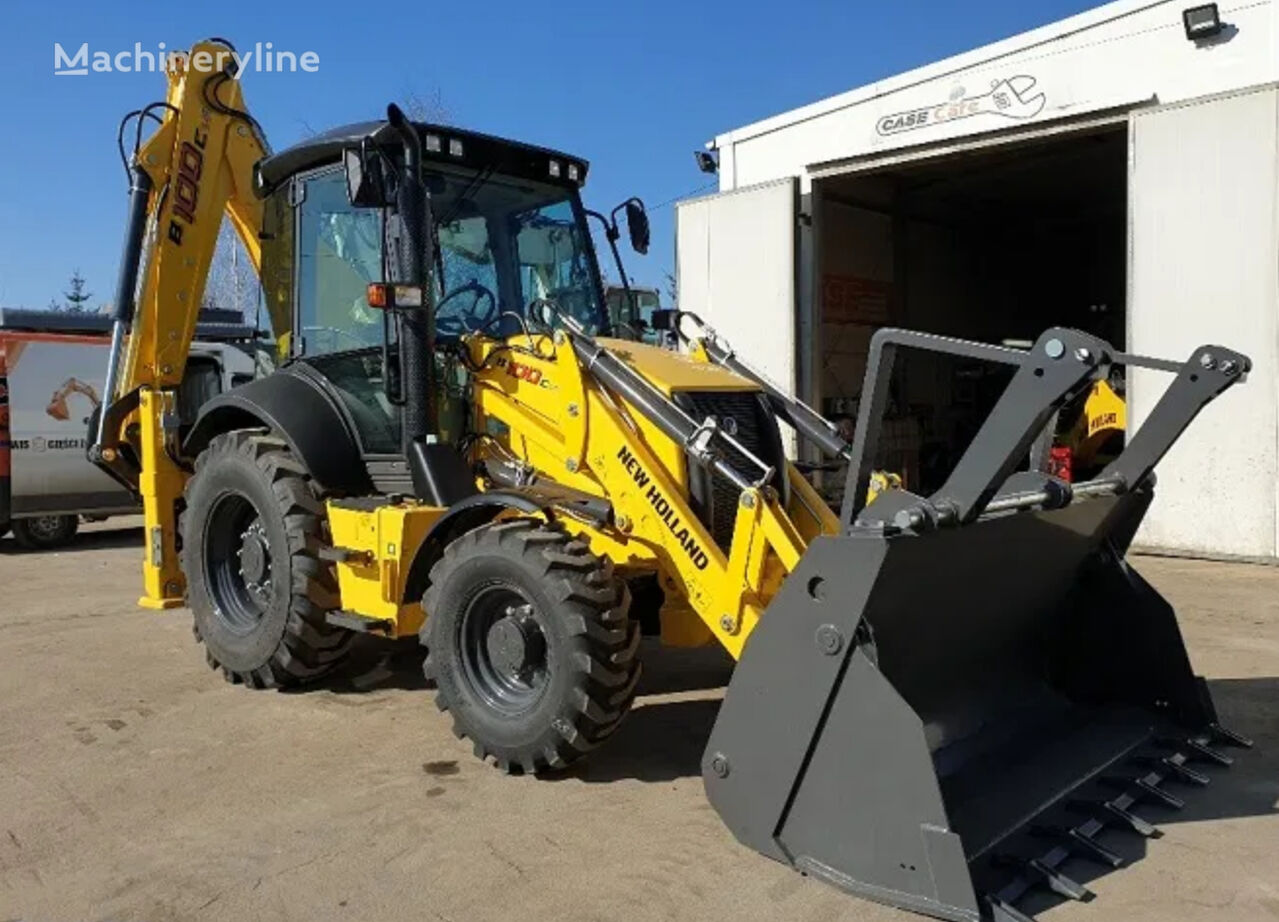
309,647
591,605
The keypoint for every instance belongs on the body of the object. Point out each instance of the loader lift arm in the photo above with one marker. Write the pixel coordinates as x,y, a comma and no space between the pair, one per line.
195,168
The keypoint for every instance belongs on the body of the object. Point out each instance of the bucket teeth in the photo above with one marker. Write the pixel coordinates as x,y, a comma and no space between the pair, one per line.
1229,737
1145,787
1040,873
1081,840
1081,844
1152,789
1175,767
1004,911
1207,753
1112,811
1131,820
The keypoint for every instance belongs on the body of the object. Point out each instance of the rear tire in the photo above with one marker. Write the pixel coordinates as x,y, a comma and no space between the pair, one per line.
45,532
251,533
531,646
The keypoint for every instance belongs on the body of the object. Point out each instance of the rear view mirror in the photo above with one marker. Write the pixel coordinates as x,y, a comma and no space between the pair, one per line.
637,225
365,186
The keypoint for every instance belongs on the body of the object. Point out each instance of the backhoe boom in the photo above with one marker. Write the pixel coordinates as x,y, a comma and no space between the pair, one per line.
195,168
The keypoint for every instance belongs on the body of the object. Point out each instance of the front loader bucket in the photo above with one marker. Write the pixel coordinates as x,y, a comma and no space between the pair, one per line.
938,713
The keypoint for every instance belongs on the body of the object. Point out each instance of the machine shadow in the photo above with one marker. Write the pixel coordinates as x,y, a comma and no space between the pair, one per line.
658,741
669,670
376,664
1250,787
663,736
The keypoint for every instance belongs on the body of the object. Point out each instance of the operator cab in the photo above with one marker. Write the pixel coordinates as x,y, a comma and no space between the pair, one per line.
510,235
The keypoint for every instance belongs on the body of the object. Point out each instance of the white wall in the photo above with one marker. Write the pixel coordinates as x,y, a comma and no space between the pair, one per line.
1204,268
1119,55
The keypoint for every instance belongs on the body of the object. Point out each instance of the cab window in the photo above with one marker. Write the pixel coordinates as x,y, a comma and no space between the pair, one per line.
339,250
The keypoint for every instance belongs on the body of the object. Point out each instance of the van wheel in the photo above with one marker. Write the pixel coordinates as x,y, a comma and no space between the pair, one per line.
251,534
45,532
530,644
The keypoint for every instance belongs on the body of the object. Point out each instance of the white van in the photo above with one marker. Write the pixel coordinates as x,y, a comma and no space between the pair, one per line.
52,367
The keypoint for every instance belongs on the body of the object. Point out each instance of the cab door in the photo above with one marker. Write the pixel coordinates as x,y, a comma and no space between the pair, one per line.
339,251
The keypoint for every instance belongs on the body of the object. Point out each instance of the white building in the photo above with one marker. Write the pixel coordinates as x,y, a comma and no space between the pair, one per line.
1107,172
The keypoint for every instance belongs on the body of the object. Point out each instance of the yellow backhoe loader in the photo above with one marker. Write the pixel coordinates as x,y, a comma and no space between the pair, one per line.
453,448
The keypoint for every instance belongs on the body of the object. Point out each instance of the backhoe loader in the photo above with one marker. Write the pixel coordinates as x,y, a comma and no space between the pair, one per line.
453,448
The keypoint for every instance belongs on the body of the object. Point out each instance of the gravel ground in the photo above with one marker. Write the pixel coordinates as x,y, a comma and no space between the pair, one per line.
136,784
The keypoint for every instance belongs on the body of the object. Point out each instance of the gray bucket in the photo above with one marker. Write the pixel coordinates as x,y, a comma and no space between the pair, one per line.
954,696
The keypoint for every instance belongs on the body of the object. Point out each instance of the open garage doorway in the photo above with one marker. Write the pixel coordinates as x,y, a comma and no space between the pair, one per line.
993,244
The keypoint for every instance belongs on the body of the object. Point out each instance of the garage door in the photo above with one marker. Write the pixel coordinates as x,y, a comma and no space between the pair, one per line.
735,267
1203,204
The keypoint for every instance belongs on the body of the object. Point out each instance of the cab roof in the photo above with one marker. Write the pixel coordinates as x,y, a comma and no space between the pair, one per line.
440,144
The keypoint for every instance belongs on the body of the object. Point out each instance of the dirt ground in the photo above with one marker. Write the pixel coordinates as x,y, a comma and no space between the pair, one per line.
136,784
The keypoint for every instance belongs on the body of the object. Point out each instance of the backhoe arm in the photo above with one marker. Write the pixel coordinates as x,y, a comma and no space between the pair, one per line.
197,166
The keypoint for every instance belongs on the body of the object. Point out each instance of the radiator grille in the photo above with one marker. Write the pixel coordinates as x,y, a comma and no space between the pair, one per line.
714,497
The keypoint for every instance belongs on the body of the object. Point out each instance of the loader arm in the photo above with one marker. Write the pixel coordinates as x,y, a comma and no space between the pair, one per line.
195,168
567,417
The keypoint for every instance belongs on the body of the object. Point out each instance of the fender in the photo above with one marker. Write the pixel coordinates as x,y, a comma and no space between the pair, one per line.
462,517
482,508
293,405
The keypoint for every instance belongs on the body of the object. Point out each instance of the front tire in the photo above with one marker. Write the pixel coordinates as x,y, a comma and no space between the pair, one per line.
531,646
45,532
251,533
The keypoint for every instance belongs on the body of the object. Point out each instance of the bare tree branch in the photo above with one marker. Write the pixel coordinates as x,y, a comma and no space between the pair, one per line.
232,284
429,108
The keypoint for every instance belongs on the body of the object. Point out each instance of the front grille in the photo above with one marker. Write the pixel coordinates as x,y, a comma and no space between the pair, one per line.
714,497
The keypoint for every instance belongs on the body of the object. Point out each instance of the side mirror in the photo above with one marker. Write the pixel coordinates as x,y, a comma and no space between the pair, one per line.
365,182
637,225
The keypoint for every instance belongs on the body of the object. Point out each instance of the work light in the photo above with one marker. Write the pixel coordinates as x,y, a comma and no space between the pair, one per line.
1202,22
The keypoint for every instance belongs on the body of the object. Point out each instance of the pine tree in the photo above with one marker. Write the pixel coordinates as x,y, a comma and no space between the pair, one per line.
77,297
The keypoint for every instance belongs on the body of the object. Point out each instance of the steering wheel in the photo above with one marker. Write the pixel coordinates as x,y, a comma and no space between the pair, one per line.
457,324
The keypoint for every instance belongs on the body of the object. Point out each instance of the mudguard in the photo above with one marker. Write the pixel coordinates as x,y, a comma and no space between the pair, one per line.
294,405
482,508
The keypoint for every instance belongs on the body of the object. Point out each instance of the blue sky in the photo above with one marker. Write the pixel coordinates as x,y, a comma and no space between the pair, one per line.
632,87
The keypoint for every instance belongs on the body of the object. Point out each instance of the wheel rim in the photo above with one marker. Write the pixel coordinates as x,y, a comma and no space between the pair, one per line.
45,527
237,562
504,650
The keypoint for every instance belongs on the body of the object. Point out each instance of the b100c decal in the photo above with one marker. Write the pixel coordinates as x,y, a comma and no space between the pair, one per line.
524,372
664,510
186,185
